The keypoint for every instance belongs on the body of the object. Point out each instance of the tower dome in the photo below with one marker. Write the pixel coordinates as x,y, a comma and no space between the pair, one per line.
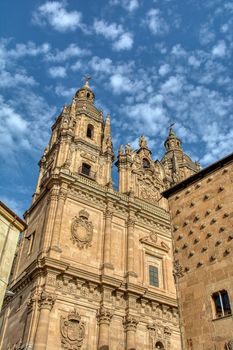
85,93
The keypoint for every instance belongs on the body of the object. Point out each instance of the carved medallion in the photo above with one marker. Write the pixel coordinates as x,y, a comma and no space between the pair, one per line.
72,331
82,230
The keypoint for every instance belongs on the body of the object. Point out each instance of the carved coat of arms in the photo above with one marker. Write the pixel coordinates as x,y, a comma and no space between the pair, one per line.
82,230
72,331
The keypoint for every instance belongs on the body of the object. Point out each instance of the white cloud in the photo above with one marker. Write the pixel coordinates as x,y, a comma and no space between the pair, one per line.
206,35
77,66
57,72
109,31
8,56
101,65
120,83
62,90
56,14
9,80
193,61
129,5
156,23
164,69
122,40
219,50
172,85
73,50
125,42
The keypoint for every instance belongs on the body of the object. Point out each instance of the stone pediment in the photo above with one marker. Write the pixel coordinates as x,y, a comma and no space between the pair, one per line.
154,241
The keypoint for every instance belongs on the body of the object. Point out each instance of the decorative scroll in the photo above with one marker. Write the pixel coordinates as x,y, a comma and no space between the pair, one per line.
82,230
72,331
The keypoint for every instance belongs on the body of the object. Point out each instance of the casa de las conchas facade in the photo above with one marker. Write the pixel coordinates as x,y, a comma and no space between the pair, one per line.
94,269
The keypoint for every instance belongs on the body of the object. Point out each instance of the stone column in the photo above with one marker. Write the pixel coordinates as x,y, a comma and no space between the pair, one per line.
130,324
46,302
107,239
104,317
50,216
130,245
29,328
55,243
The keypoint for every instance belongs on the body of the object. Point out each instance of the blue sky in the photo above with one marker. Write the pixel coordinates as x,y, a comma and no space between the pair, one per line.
152,63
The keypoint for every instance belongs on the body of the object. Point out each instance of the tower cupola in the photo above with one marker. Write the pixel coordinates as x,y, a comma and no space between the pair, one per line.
85,93
172,142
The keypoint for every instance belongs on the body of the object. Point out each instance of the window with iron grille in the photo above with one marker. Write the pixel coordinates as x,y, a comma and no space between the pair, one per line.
153,276
221,304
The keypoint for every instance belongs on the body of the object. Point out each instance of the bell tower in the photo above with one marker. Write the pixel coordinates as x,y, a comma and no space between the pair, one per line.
178,165
80,143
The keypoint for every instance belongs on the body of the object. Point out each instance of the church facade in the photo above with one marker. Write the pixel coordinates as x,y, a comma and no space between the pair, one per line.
94,268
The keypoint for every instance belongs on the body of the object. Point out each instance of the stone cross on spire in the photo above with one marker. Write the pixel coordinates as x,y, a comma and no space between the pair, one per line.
87,78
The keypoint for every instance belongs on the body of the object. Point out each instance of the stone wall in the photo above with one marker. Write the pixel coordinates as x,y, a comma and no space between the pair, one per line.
202,219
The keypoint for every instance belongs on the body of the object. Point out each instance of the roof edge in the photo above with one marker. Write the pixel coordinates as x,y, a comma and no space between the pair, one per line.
19,223
202,173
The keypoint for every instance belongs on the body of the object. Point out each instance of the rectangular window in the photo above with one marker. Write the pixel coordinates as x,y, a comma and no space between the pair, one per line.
153,276
30,238
221,303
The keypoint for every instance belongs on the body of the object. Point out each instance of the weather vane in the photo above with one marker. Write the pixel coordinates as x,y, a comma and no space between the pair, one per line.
87,78
171,125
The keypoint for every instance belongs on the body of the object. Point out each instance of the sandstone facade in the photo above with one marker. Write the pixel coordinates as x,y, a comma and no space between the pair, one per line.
202,219
10,227
94,268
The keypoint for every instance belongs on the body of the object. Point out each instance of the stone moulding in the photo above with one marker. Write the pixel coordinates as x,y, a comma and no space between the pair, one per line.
72,331
152,240
82,230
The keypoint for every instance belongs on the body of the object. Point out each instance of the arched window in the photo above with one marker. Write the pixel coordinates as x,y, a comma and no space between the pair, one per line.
145,163
86,169
159,345
90,131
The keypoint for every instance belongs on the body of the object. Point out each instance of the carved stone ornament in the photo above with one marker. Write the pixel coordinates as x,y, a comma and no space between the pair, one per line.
177,270
153,240
104,315
160,336
229,345
46,300
130,323
82,230
72,331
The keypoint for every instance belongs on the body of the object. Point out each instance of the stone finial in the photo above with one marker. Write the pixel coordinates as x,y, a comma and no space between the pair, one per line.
142,142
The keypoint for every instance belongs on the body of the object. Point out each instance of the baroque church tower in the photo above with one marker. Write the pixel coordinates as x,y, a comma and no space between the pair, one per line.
94,268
